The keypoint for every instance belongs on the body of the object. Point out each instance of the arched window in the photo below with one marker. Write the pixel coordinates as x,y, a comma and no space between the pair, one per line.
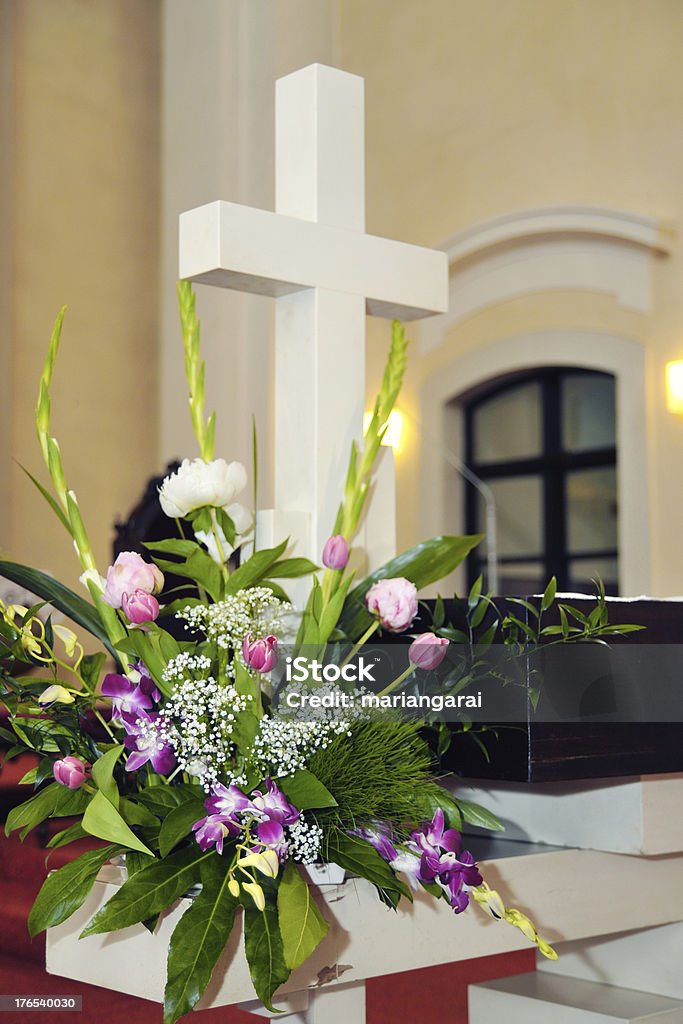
544,442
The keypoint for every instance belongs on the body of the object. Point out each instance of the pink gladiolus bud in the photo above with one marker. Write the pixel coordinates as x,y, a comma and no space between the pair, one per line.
69,771
336,552
394,602
427,651
260,655
140,607
129,573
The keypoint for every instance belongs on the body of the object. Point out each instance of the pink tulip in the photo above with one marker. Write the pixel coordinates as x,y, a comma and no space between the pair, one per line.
336,552
129,573
140,607
260,655
69,771
427,651
394,602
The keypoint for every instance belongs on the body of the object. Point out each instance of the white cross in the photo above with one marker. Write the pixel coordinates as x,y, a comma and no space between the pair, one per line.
314,258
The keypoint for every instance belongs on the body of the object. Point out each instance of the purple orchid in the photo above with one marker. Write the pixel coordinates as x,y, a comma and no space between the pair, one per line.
213,830
442,862
399,860
227,801
272,834
127,698
274,805
146,683
147,743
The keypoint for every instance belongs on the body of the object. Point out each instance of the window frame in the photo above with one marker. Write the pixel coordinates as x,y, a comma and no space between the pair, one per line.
552,466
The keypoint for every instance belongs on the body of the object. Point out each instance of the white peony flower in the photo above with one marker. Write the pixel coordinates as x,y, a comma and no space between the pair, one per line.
198,483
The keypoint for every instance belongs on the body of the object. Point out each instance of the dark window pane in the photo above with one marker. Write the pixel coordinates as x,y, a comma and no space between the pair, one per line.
591,509
521,578
508,426
587,412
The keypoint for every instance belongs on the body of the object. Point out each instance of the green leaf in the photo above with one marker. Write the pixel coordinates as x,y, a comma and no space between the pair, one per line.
477,815
91,667
173,546
137,814
291,567
61,597
302,926
424,564
102,820
66,889
549,594
178,824
263,946
103,774
255,568
54,505
434,797
34,810
67,835
357,856
149,891
198,940
161,799
305,791
475,591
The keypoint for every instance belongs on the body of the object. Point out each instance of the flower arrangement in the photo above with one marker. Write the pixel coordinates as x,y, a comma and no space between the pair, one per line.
171,752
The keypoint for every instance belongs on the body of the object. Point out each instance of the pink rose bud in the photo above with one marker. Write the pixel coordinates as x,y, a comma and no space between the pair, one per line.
130,572
260,655
394,602
335,552
69,771
427,651
140,607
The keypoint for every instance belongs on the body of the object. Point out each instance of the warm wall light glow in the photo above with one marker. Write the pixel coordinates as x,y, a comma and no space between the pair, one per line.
674,387
394,431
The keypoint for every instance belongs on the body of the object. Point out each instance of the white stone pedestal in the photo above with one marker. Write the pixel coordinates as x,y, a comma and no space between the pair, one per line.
639,814
570,894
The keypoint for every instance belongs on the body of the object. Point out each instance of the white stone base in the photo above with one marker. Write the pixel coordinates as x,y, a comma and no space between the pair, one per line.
639,814
541,999
648,959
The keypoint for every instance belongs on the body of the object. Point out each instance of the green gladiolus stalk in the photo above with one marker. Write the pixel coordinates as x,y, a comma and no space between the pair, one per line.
204,430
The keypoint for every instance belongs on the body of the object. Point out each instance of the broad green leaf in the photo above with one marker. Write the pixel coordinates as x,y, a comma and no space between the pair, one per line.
178,824
173,546
34,810
198,940
357,856
91,666
474,594
424,564
102,820
136,861
477,815
66,836
246,685
60,597
149,891
65,890
103,774
289,568
305,791
434,797
255,568
302,926
161,799
263,946
137,814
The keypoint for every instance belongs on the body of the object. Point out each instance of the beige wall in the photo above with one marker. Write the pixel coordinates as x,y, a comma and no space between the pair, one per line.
475,110
81,182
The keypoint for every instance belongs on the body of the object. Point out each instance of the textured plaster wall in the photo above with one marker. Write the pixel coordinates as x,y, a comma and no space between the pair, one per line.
80,137
478,109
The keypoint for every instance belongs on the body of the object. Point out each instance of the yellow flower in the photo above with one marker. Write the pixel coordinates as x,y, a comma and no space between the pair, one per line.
256,893
56,694
493,903
234,887
70,641
267,862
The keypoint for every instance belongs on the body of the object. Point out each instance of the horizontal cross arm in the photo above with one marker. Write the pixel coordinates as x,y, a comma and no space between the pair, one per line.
252,250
